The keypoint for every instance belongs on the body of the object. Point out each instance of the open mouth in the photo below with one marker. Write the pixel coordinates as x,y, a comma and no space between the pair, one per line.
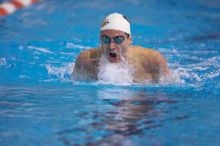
112,54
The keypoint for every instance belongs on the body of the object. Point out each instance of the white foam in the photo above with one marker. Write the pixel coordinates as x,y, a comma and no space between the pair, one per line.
60,72
210,61
122,74
173,78
115,73
66,53
212,75
200,68
3,61
188,74
72,45
44,50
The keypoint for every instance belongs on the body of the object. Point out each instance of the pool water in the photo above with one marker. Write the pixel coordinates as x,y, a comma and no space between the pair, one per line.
41,104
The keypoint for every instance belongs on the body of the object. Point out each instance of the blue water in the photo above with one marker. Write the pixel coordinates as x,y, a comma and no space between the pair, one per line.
40,103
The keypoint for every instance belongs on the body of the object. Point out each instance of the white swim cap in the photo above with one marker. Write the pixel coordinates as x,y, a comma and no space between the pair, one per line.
116,21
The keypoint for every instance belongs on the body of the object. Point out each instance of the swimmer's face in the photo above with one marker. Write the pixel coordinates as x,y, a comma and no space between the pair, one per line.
114,44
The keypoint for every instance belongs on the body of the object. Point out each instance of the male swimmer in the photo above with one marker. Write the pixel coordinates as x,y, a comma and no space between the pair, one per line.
146,65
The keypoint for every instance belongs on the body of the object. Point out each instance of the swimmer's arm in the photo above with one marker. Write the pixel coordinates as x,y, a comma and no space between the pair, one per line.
86,65
162,64
157,66
79,71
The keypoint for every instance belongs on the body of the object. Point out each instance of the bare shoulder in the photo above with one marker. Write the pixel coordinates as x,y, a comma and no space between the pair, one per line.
87,63
149,58
138,50
89,54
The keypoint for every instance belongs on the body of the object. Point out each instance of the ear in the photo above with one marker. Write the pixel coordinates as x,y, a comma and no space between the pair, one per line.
130,40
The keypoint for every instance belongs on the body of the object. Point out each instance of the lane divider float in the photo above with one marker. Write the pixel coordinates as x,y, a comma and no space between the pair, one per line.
10,7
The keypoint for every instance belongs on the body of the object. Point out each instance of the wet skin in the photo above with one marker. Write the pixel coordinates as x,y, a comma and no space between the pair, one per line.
148,64
115,52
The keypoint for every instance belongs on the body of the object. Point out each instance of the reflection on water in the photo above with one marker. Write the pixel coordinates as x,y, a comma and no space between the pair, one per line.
185,32
122,114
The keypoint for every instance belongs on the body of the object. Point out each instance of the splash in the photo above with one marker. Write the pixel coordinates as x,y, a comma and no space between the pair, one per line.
60,72
39,49
115,73
122,74
76,46
174,77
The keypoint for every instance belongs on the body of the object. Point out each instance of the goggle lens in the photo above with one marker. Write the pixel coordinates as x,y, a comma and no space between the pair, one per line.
116,39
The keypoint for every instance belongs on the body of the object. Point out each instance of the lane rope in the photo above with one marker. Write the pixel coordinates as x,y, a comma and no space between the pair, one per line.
10,7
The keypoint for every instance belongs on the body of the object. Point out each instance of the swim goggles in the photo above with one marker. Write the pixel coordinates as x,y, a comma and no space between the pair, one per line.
117,39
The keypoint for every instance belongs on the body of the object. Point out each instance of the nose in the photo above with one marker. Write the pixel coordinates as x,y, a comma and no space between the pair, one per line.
112,46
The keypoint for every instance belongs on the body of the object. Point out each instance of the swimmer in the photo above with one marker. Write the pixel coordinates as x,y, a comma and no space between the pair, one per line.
115,47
